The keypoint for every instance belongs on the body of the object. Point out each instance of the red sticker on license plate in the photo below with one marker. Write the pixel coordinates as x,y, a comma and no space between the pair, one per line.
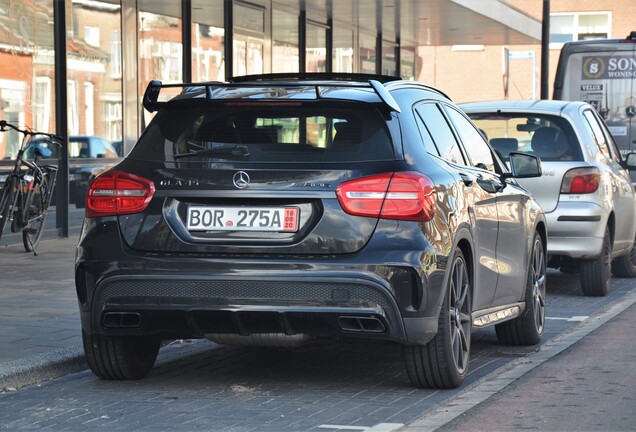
290,222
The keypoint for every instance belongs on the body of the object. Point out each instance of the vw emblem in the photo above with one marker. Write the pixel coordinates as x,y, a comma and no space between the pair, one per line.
241,179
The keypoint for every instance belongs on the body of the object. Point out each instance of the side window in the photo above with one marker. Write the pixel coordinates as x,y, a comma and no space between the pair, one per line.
597,133
616,154
439,129
429,145
474,144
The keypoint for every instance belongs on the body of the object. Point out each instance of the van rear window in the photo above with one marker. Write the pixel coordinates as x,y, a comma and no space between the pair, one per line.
266,133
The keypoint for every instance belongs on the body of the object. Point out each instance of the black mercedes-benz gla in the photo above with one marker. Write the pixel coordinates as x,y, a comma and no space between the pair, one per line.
272,210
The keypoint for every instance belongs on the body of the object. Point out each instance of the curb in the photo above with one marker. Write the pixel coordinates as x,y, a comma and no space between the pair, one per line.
41,367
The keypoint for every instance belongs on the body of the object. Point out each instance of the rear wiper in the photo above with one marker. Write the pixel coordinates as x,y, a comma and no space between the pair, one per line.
230,151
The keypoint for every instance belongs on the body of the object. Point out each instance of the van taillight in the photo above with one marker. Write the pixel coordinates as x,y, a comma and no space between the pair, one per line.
581,181
116,193
402,195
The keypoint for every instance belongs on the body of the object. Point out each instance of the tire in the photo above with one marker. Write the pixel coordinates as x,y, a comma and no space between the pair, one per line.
32,233
443,362
625,266
596,274
5,201
120,358
528,328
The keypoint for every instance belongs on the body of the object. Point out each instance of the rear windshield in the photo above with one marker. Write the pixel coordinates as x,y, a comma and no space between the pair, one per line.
265,133
549,137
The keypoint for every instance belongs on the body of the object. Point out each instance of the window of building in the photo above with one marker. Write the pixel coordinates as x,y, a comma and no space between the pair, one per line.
115,55
579,26
285,56
343,38
389,50
73,111
42,103
89,108
113,120
316,60
407,61
366,52
91,36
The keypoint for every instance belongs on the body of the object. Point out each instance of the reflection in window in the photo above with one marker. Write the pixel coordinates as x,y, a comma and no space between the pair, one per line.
160,49
115,55
89,108
208,62
407,62
42,103
94,64
91,36
284,42
27,72
316,48
342,49
367,53
239,66
73,113
389,66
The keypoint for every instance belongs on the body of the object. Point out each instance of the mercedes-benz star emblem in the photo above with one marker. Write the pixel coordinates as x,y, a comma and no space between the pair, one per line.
630,111
241,179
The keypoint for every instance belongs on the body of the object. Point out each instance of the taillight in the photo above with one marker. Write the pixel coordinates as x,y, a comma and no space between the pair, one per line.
581,181
401,195
116,193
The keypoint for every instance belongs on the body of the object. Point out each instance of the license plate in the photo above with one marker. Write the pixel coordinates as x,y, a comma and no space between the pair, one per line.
204,218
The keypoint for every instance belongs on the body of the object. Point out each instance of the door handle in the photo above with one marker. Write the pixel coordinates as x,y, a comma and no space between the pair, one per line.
468,180
489,185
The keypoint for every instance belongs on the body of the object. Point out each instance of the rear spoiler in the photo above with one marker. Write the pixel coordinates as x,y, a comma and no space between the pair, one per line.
152,102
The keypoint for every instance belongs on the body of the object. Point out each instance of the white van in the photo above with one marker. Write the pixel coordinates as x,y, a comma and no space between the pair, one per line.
603,74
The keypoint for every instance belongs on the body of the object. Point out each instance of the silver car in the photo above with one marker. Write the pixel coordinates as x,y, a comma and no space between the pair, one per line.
585,188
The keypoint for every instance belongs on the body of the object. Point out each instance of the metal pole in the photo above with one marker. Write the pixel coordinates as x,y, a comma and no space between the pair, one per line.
61,116
545,49
186,36
229,38
302,39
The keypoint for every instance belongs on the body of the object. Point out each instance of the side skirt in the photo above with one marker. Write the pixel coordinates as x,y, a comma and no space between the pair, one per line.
499,314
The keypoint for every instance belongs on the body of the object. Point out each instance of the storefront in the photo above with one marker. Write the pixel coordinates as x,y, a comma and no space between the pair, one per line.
115,47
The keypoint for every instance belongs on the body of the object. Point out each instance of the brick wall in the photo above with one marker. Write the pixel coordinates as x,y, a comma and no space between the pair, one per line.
472,76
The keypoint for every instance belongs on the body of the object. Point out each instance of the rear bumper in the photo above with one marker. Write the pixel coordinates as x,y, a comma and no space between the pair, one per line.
576,230
345,305
124,293
202,305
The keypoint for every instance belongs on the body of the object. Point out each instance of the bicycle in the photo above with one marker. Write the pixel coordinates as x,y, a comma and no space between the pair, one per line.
28,189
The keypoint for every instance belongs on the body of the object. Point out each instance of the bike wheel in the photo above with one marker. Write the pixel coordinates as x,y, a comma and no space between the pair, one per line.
35,216
6,198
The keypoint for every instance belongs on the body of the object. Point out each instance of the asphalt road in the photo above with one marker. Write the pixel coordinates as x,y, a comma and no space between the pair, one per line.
335,386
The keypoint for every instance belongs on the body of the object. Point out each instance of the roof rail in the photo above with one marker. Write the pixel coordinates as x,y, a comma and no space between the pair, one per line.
315,76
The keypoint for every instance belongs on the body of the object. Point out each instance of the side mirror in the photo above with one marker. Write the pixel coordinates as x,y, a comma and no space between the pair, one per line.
524,165
630,162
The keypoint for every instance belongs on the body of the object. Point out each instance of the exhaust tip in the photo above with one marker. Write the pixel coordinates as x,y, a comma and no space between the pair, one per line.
121,320
361,324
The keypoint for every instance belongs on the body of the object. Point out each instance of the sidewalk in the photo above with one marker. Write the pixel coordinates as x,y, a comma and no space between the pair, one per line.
39,317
